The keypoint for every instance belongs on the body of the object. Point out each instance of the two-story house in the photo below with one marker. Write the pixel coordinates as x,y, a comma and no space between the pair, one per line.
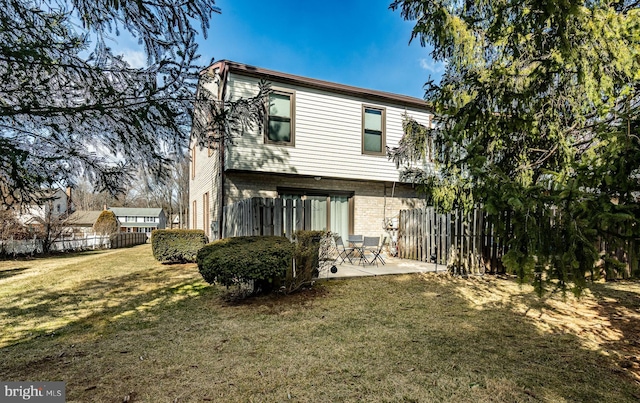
321,141
55,203
134,219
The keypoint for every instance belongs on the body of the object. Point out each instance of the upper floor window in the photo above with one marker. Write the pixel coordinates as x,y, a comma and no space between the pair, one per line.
280,120
150,219
373,130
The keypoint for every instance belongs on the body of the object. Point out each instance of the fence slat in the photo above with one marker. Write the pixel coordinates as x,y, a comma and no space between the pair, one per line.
289,219
267,214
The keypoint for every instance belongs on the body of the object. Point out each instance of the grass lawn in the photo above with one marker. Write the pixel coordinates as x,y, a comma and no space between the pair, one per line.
117,326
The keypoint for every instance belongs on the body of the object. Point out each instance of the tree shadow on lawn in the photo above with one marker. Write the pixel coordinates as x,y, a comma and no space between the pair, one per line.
622,309
605,318
408,338
52,255
32,313
12,272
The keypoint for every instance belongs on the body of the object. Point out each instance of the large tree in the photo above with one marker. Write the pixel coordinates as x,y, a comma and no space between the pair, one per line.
537,115
70,107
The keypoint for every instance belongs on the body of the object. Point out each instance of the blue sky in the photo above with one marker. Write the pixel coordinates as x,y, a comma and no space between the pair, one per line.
355,42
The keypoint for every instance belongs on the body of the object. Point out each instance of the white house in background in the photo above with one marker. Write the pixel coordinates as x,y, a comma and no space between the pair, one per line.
55,203
322,141
133,219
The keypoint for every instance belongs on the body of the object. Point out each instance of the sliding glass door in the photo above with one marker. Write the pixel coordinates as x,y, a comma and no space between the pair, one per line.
329,212
339,210
318,212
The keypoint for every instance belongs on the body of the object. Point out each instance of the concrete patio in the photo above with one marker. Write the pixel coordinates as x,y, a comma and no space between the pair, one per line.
393,265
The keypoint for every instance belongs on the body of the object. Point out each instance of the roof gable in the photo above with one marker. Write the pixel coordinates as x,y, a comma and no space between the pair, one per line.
136,211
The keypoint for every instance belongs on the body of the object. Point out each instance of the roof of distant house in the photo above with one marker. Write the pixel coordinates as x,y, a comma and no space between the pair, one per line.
136,211
86,217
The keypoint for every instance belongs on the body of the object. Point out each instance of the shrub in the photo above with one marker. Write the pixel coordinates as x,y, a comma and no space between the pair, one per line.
107,223
177,245
306,257
261,260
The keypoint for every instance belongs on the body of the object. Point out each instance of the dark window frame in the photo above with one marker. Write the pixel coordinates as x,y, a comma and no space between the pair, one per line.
292,117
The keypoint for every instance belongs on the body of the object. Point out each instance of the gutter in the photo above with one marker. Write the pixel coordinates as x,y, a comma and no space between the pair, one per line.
272,75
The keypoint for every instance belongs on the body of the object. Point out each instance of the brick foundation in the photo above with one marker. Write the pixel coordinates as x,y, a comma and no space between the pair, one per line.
373,202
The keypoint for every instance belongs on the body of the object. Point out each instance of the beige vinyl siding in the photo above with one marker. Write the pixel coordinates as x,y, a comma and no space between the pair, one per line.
328,139
206,179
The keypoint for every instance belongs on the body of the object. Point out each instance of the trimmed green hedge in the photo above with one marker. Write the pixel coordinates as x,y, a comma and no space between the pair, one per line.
177,245
263,260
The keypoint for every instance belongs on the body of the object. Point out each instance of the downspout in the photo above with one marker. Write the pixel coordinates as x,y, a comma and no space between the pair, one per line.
222,92
385,226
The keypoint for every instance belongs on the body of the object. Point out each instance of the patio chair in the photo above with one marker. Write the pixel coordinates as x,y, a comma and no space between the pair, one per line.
376,253
369,244
344,252
355,240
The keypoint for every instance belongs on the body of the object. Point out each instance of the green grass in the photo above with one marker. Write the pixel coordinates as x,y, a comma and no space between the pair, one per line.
117,325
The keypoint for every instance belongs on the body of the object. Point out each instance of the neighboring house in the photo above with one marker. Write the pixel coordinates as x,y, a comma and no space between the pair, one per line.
81,222
56,203
321,141
175,222
133,219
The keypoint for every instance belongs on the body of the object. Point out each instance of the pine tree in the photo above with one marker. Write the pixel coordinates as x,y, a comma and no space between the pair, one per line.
537,115
70,107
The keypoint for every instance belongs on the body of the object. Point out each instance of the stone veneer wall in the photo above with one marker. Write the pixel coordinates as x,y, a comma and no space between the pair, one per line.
373,201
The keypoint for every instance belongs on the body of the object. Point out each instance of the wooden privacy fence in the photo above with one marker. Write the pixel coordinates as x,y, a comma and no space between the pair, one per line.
266,216
126,239
470,244
466,242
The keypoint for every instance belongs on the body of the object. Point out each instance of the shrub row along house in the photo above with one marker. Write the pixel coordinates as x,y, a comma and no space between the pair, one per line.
321,141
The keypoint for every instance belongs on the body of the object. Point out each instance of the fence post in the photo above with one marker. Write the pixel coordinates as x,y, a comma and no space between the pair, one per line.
419,228
289,219
267,217
256,205
277,217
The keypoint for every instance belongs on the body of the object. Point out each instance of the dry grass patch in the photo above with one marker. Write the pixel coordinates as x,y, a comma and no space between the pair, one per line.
606,318
158,333
42,296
